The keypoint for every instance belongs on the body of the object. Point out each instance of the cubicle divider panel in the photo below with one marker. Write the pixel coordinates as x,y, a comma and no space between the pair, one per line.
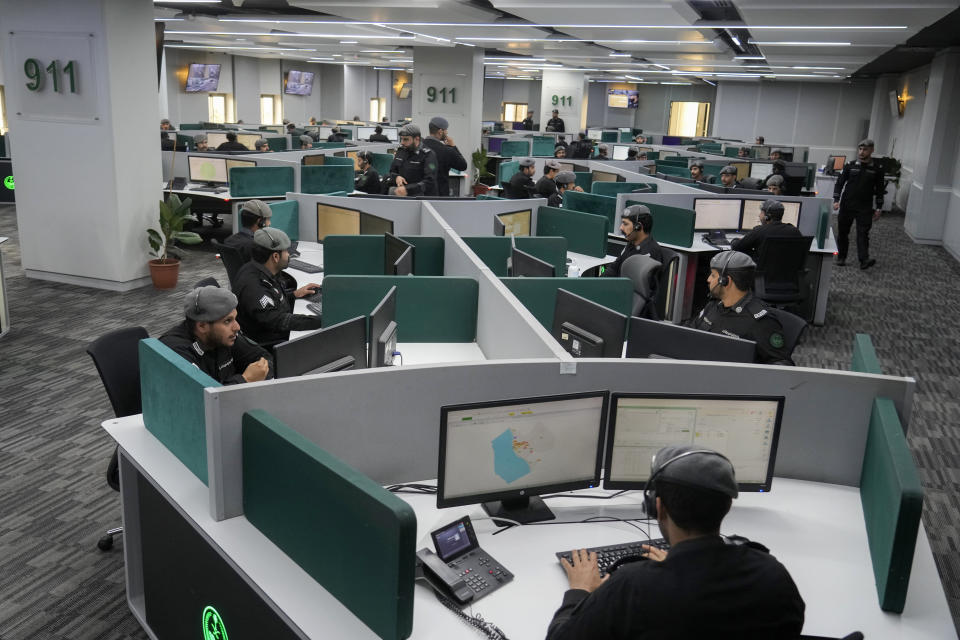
823,225
382,162
337,160
328,145
864,359
428,253
671,170
184,126
286,217
261,181
672,225
405,213
471,218
585,232
605,206
539,295
364,255
429,308
505,171
495,250
583,179
326,178
543,145
613,188
277,144
515,148
173,405
348,533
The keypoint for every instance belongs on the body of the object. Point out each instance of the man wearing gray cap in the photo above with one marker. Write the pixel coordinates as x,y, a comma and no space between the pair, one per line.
775,154
566,181
261,145
728,177
636,225
546,186
602,152
771,226
210,339
521,183
254,215
860,182
413,171
776,185
266,293
734,311
705,586
200,143
696,171
448,156
306,142
335,135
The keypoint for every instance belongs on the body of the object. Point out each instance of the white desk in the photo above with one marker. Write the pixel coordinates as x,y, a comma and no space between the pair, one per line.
815,530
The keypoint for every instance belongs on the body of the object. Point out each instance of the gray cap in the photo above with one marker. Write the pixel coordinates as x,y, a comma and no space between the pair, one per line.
773,208
411,130
775,180
775,150
695,466
257,208
565,177
729,169
604,147
206,304
552,164
261,142
866,142
200,138
164,121
697,163
633,213
526,162
271,238
438,122
729,261
305,139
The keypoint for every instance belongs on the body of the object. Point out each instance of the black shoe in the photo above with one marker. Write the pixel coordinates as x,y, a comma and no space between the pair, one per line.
867,264
840,262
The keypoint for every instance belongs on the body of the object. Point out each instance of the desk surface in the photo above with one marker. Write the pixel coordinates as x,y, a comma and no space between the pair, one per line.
222,195
815,530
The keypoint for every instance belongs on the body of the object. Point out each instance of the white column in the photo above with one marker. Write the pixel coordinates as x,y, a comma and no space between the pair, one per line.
565,91
448,82
87,155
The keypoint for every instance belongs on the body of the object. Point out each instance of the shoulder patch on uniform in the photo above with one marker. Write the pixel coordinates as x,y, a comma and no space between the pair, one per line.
760,314
266,301
196,347
776,340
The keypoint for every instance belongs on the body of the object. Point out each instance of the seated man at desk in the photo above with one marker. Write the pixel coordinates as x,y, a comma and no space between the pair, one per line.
581,148
779,168
636,225
776,185
521,184
254,215
771,226
566,181
560,151
231,144
633,153
378,135
774,155
735,312
166,142
261,145
368,180
728,177
266,293
696,171
547,185
705,586
200,143
335,135
602,152
210,339
165,125
413,171
306,142
743,152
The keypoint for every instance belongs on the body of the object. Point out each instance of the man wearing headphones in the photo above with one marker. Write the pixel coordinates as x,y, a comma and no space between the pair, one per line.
210,339
696,171
254,215
547,185
413,171
705,586
728,177
448,156
735,312
368,179
566,181
636,225
265,293
771,226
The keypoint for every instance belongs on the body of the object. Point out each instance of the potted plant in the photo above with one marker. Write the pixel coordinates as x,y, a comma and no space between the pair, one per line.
480,172
165,270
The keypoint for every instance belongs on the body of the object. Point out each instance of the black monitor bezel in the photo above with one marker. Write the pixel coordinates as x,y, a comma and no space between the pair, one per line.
611,348
733,228
524,492
754,487
190,177
380,317
365,219
403,266
530,260
707,335
743,209
391,244
324,337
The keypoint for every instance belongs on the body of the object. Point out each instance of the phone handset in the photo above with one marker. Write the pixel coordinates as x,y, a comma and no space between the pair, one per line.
442,577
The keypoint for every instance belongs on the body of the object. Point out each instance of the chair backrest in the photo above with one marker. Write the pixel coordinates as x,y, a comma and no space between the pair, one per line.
641,269
780,260
232,261
793,327
207,282
116,356
751,183
668,282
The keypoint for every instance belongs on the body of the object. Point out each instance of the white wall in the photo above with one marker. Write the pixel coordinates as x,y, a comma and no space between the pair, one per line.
254,77
653,114
600,115
193,107
299,109
497,91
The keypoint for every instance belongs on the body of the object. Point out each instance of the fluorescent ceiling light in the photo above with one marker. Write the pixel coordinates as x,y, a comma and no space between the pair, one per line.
620,55
389,69
504,58
168,19
382,51
661,66
410,60
287,35
749,57
312,59
514,25
687,84
778,43
187,1
634,78
712,84
349,42
826,68
211,46
735,40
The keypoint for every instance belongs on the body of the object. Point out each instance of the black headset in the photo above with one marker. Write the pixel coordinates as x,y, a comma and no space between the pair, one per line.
724,278
650,492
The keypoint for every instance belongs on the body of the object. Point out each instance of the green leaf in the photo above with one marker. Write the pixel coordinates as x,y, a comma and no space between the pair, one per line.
187,237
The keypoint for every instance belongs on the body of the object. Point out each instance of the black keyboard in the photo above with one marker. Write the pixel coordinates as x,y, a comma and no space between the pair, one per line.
315,308
316,296
209,189
608,555
717,239
306,267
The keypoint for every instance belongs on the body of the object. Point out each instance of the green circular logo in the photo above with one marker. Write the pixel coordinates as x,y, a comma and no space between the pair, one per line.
213,627
8,182
776,340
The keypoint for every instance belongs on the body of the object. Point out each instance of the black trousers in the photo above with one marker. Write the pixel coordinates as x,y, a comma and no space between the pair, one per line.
845,219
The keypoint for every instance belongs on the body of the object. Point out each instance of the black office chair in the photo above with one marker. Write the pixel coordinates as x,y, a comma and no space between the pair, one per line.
667,283
116,356
232,260
643,272
856,635
752,183
793,327
207,282
780,268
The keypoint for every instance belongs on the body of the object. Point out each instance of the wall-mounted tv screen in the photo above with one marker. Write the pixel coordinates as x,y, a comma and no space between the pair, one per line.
202,77
299,83
623,98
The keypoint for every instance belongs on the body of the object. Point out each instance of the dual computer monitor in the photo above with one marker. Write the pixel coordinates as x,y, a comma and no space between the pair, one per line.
737,214
212,171
504,454
606,176
586,329
334,220
248,140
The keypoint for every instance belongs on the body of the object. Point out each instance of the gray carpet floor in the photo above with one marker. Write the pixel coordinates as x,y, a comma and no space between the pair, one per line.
55,504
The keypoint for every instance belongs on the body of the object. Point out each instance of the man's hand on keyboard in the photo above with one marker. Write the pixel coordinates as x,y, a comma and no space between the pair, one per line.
306,290
654,553
583,573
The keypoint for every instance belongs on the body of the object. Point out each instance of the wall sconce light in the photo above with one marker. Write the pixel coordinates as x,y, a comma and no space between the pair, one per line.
897,104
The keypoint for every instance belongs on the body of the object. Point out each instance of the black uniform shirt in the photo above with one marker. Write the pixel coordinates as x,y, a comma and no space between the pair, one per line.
748,319
368,181
242,241
225,365
232,146
648,247
555,200
704,589
447,158
546,187
418,167
857,183
556,124
335,137
520,186
265,305
750,243
378,137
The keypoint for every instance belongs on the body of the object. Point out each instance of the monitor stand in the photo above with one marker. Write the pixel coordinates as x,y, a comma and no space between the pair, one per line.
523,510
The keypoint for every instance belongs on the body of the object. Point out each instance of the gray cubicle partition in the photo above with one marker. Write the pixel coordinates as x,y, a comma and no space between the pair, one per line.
475,218
405,214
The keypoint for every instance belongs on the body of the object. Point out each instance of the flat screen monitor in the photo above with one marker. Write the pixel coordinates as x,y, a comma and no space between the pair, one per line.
393,250
371,225
760,170
586,329
336,348
761,152
202,77
207,170
392,133
499,229
668,154
751,213
623,99
238,163
515,223
506,453
565,166
215,139
716,213
620,152
403,266
743,169
336,221
604,176
381,318
316,160
299,83
745,429
524,265
835,164
595,134
652,339
364,133
247,139
324,133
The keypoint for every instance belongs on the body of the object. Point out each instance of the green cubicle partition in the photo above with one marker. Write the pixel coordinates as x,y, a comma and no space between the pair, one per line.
672,170
429,308
609,136
890,491
363,255
286,217
172,399
515,148
495,250
505,170
261,181
585,233
604,188
277,144
605,206
823,225
3,146
671,225
539,295
489,196
584,179
327,177
190,127
708,147
328,145
382,162
731,152
543,145
711,170
626,136
676,161
181,139
338,160
352,536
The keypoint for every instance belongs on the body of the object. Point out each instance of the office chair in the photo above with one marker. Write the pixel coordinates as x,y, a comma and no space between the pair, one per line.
116,356
232,260
663,302
752,183
207,282
780,266
642,270
793,327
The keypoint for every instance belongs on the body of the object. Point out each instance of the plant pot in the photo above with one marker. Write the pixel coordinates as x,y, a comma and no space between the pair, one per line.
164,273
480,189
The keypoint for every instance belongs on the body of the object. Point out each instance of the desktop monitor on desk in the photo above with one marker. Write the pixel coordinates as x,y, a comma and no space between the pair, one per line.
524,265
745,429
761,152
606,176
324,132
513,223
620,152
214,140
595,134
760,170
336,221
383,330
316,160
246,139
397,255
506,453
751,213
717,213
566,166
212,171
586,329
336,348
834,165
652,339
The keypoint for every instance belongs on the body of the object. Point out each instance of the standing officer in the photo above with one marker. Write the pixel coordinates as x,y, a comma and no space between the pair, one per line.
860,181
546,185
448,156
555,123
521,184
771,226
369,180
414,168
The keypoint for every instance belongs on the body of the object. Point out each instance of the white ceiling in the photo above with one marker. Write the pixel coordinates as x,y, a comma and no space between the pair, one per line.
665,41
